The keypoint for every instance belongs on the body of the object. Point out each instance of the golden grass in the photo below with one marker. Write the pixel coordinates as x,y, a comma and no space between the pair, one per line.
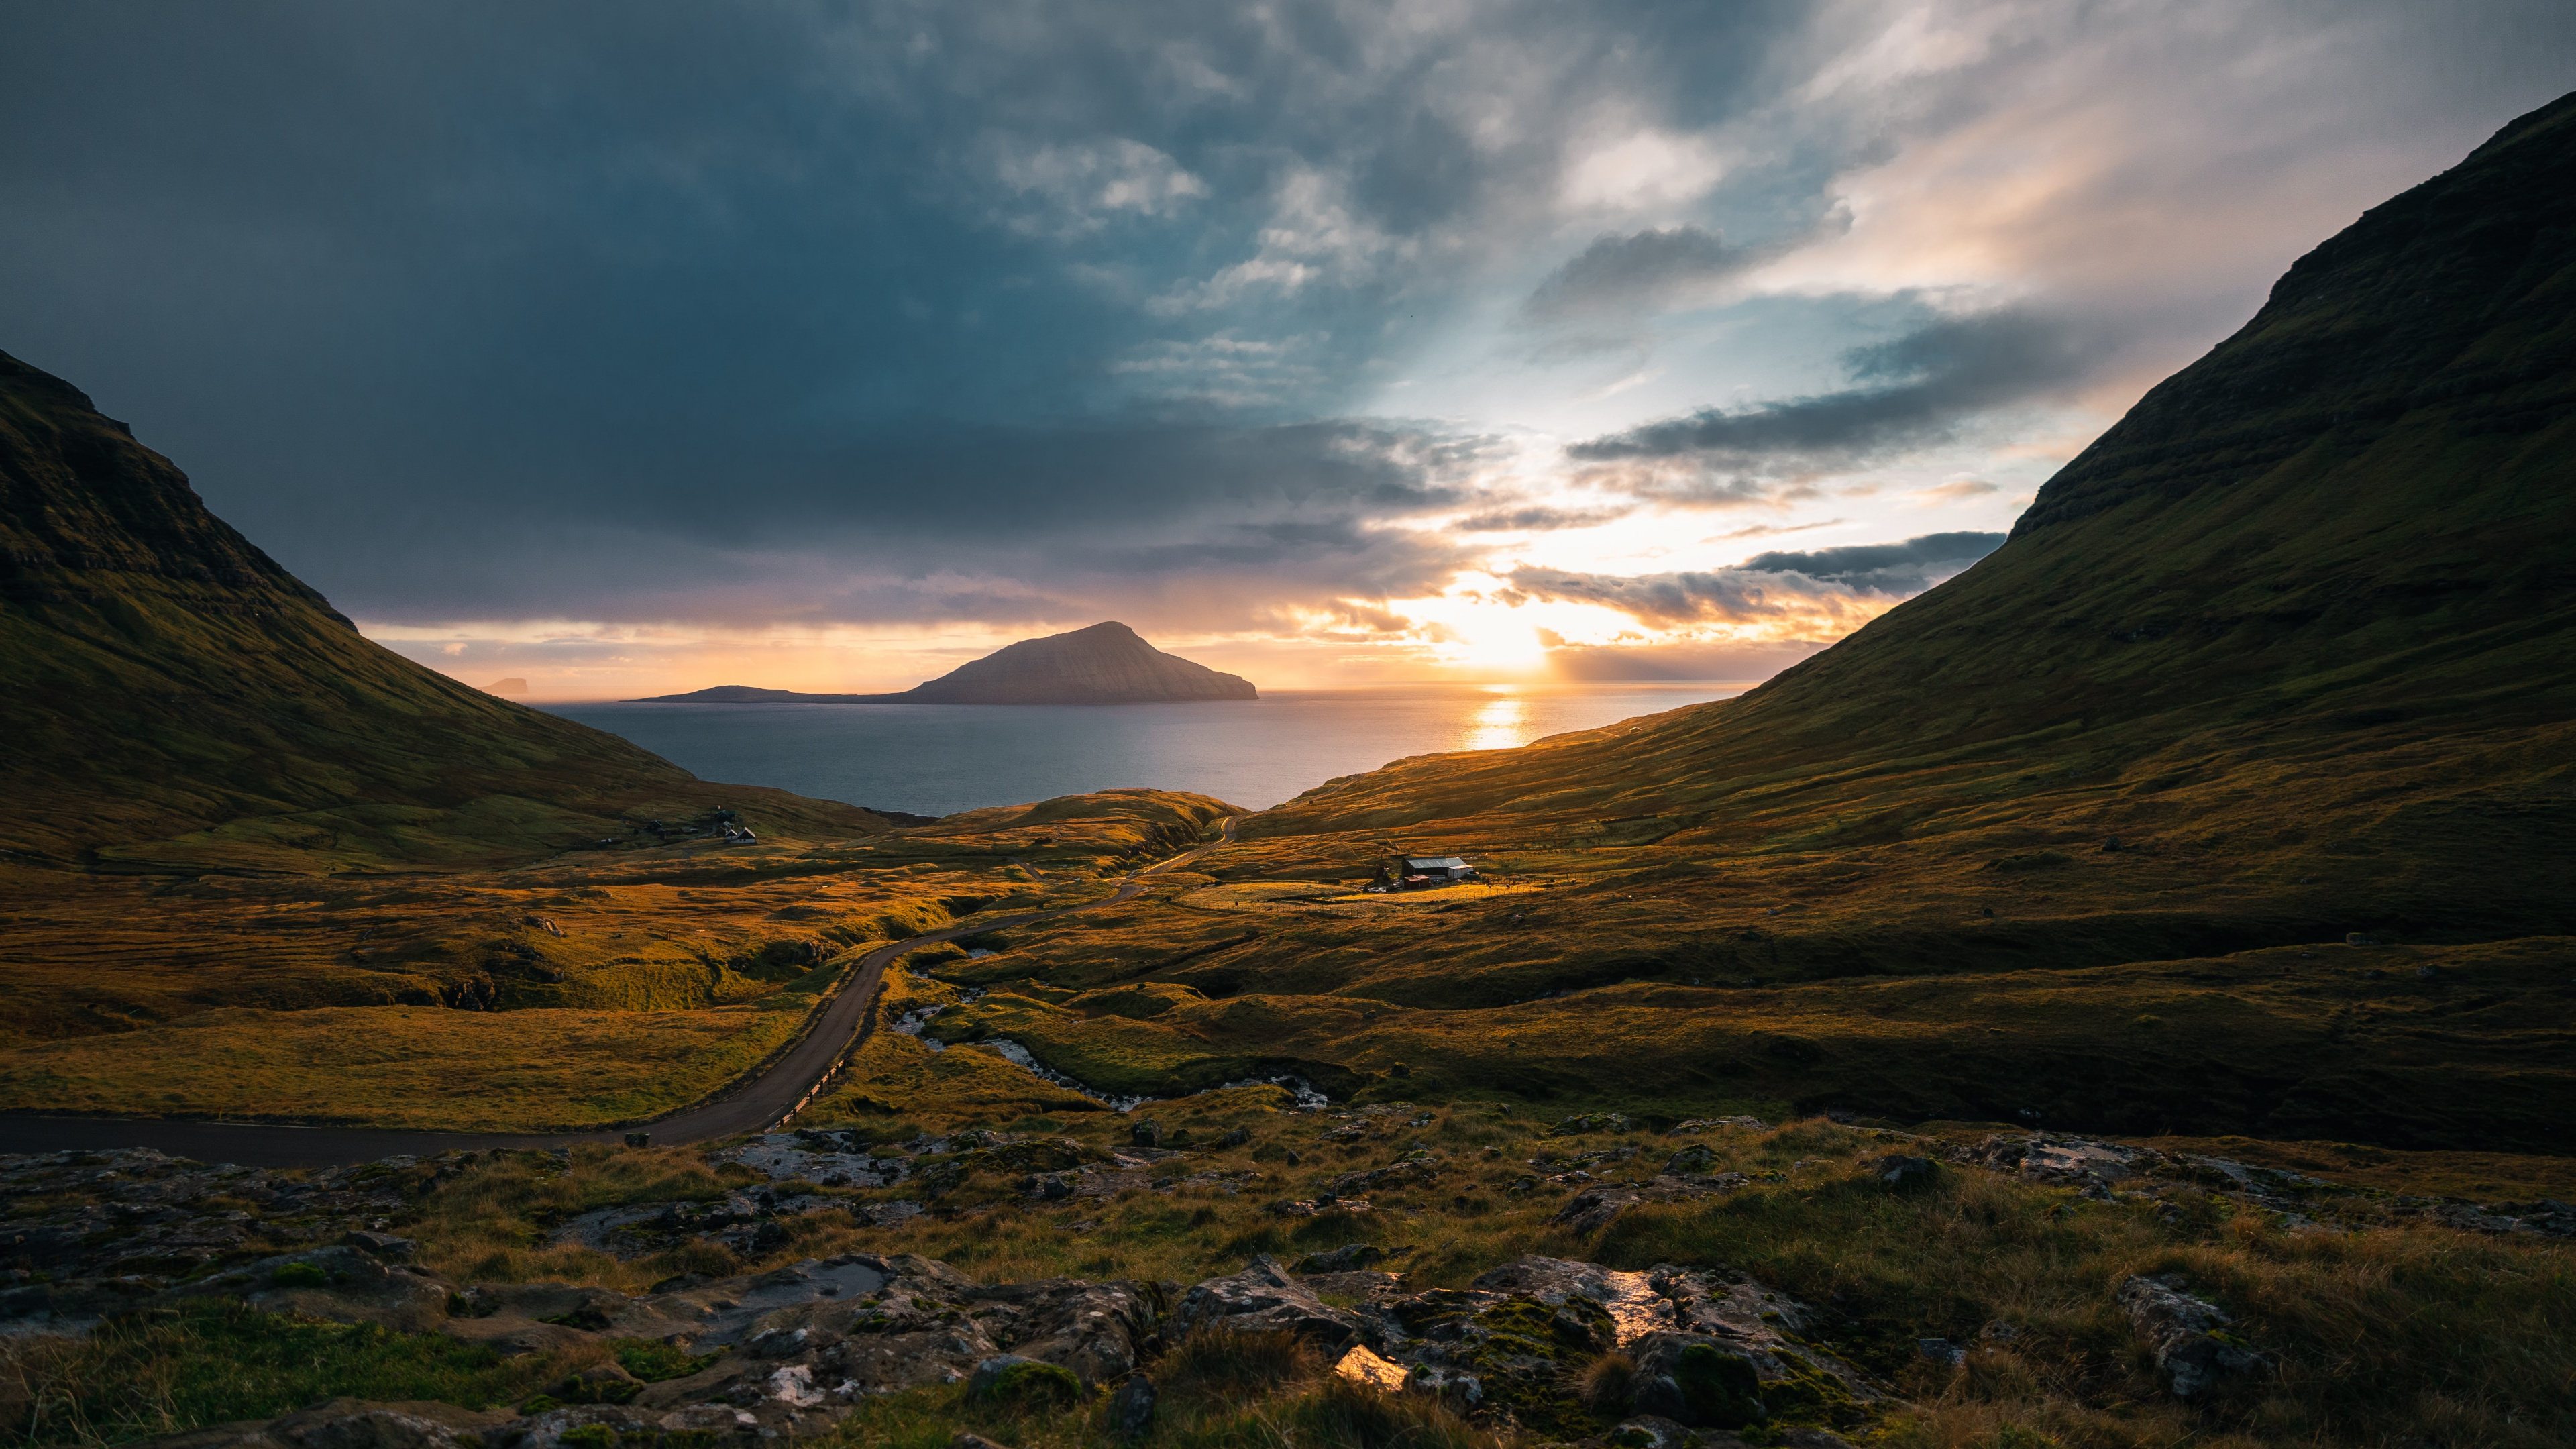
404,1066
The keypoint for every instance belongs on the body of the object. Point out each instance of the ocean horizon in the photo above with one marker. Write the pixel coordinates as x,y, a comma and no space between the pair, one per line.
933,759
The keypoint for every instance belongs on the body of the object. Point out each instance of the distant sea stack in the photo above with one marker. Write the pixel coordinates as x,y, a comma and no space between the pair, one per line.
1104,664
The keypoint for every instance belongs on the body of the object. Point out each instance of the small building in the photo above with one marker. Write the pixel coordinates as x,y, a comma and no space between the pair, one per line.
1436,869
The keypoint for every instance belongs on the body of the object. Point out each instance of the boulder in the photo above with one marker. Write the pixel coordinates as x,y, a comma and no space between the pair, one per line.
1904,1173
1012,1379
1100,1331
1697,1380
1131,1409
2194,1351
1264,1297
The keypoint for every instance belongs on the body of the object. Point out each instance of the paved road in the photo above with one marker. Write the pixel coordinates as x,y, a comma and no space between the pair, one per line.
757,1104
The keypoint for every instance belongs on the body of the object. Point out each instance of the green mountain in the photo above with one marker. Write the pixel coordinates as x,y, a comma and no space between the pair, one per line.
2308,606
1104,664
172,699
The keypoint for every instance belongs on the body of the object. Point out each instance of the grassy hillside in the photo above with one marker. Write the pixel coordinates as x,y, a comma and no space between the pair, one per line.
2235,793
175,700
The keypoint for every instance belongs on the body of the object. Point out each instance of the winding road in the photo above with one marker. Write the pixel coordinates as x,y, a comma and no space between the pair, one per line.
786,1084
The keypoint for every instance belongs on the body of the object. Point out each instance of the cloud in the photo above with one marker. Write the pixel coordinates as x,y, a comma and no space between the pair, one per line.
1898,569
1907,391
1537,518
1820,593
1621,275
1958,491
902,312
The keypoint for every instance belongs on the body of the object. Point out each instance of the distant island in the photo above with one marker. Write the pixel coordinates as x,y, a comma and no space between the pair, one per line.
1104,664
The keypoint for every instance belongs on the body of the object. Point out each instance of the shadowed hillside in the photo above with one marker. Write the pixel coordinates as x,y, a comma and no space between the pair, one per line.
172,698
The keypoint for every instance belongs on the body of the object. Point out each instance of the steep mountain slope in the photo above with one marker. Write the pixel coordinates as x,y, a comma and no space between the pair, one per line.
1104,664
171,697
2312,589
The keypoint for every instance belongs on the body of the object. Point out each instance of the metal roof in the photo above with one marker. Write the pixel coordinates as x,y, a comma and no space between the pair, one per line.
1434,862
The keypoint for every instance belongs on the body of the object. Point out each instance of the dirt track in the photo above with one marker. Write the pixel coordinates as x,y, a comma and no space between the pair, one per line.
749,1107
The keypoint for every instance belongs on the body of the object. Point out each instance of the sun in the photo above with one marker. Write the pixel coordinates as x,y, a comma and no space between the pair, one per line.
1507,646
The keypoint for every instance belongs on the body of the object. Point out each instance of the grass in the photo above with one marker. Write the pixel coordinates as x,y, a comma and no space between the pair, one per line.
213,1362
614,988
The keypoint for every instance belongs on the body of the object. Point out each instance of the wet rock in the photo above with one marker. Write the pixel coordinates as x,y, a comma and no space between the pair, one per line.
2194,1349
1264,1297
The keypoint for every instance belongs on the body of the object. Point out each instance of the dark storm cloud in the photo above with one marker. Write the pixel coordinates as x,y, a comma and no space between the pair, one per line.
479,308
1906,391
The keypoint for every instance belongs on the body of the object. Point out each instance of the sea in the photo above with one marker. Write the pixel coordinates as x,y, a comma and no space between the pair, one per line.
938,759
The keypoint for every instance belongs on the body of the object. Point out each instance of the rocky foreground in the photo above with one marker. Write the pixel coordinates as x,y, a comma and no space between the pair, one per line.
1695,1353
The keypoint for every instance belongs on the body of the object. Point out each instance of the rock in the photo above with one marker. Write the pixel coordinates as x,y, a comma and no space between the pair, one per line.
1651,1431
1097,1330
965,1440
338,1283
1591,1122
1361,1366
1263,1297
1012,1379
351,1424
1904,1173
1692,1161
385,1246
1597,1208
1131,1409
1941,1351
2193,1350
639,1139
1235,1138
1346,1259
1698,1381
1148,1133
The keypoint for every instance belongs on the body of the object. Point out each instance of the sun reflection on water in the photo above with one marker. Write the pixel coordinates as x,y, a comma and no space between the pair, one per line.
1499,724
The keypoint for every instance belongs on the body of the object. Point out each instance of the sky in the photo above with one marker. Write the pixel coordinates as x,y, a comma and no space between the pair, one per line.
636,347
